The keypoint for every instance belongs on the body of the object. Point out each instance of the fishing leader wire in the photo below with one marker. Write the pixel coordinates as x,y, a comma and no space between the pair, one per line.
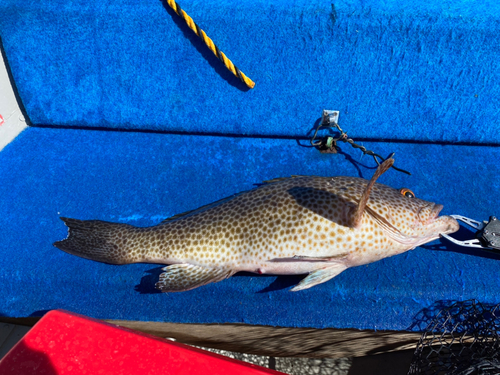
328,144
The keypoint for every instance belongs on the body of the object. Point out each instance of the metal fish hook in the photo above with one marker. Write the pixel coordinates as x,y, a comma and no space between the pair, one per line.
329,144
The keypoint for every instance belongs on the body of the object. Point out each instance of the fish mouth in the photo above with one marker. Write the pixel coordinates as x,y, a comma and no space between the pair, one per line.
436,210
434,214
435,224
449,223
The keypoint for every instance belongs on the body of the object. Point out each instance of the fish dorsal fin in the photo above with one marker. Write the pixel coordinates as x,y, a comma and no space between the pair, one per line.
202,208
223,200
279,179
357,213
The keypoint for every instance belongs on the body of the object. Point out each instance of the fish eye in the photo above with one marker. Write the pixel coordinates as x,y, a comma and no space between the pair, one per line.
407,193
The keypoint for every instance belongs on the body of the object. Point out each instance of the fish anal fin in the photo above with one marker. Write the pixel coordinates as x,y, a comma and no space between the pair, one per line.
320,276
182,277
357,212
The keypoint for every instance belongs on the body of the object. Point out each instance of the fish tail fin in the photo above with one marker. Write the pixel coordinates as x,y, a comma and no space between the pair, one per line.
357,214
99,240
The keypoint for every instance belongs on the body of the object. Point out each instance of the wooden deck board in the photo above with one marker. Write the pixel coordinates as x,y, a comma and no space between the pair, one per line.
272,341
281,341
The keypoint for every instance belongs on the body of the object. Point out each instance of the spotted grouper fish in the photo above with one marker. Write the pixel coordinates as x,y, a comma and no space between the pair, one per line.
318,226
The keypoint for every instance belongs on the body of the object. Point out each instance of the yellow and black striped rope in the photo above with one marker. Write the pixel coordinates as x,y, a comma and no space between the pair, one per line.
210,44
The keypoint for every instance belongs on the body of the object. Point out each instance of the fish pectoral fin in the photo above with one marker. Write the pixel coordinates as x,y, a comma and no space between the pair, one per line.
319,276
305,258
182,277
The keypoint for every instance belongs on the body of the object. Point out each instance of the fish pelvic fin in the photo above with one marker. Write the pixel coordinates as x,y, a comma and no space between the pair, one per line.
99,240
357,214
183,277
319,276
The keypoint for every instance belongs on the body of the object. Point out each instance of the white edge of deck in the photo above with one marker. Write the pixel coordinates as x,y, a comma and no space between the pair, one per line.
12,121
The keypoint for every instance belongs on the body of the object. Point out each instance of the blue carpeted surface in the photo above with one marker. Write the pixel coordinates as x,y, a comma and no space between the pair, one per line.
422,74
141,178
404,70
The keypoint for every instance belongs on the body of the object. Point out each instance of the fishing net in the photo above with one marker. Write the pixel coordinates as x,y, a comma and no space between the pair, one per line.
462,339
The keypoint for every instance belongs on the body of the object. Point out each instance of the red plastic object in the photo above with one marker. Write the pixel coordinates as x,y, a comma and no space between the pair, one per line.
66,343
